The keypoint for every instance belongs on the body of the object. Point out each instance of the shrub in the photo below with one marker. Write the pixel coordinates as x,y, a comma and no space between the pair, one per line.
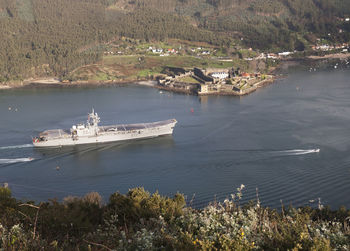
143,221
139,204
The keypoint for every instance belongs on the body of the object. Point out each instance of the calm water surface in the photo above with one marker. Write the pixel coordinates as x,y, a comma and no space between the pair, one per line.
264,140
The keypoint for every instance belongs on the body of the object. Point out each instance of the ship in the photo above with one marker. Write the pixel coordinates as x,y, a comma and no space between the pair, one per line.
91,133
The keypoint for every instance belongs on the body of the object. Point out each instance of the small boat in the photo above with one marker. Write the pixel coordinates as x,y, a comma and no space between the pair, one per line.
91,133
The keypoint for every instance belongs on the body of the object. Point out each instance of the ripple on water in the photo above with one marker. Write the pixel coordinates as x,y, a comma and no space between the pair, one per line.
264,140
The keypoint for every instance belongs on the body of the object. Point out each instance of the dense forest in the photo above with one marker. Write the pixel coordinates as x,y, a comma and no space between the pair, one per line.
51,38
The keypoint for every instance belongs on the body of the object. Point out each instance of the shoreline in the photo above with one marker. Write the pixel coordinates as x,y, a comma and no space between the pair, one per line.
330,56
55,82
75,84
221,93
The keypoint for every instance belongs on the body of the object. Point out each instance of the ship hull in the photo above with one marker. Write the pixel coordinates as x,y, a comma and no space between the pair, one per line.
138,131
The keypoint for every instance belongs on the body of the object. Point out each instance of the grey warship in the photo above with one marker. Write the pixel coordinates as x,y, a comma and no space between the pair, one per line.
91,133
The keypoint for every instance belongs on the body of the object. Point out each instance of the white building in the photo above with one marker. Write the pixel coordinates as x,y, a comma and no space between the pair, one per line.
157,51
324,47
219,75
286,53
272,56
261,56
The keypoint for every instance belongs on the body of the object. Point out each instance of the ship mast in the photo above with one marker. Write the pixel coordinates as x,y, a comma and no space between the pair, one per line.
93,120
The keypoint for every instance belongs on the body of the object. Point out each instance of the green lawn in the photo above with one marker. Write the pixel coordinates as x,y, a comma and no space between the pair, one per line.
133,67
189,79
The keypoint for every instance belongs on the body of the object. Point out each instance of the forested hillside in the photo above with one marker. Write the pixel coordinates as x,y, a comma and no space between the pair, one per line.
49,37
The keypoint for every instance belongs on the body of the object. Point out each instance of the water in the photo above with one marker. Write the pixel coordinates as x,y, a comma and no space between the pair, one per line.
268,140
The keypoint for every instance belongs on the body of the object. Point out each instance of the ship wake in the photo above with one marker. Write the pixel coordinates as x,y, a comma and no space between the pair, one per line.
298,152
17,160
275,153
16,147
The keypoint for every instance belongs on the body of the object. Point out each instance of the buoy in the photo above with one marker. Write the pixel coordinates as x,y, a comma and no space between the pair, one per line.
192,110
10,108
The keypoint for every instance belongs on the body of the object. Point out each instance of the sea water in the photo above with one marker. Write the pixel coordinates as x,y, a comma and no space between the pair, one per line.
289,141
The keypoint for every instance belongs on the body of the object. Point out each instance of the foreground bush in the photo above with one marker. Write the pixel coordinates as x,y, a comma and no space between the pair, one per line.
143,221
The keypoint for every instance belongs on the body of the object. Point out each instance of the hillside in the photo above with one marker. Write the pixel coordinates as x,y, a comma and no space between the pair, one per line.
262,24
48,37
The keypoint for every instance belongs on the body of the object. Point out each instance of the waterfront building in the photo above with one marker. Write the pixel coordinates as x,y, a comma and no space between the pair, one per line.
219,75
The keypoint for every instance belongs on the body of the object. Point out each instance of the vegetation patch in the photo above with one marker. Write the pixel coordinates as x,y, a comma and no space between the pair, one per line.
189,79
68,34
146,67
140,220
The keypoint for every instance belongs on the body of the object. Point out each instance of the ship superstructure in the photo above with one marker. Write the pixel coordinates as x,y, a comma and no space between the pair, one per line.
90,132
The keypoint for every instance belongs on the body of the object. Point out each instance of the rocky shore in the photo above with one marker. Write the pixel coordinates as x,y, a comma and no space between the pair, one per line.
331,56
53,82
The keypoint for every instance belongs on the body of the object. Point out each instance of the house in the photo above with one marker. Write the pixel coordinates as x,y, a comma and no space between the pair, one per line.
158,51
219,75
286,53
272,56
172,51
261,56
324,47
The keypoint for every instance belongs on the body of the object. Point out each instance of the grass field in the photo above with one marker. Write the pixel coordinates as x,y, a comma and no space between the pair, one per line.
133,67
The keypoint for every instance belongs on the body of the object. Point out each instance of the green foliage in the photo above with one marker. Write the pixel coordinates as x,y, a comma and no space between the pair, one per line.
69,221
140,204
8,207
130,67
5,194
52,38
266,6
45,38
140,220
